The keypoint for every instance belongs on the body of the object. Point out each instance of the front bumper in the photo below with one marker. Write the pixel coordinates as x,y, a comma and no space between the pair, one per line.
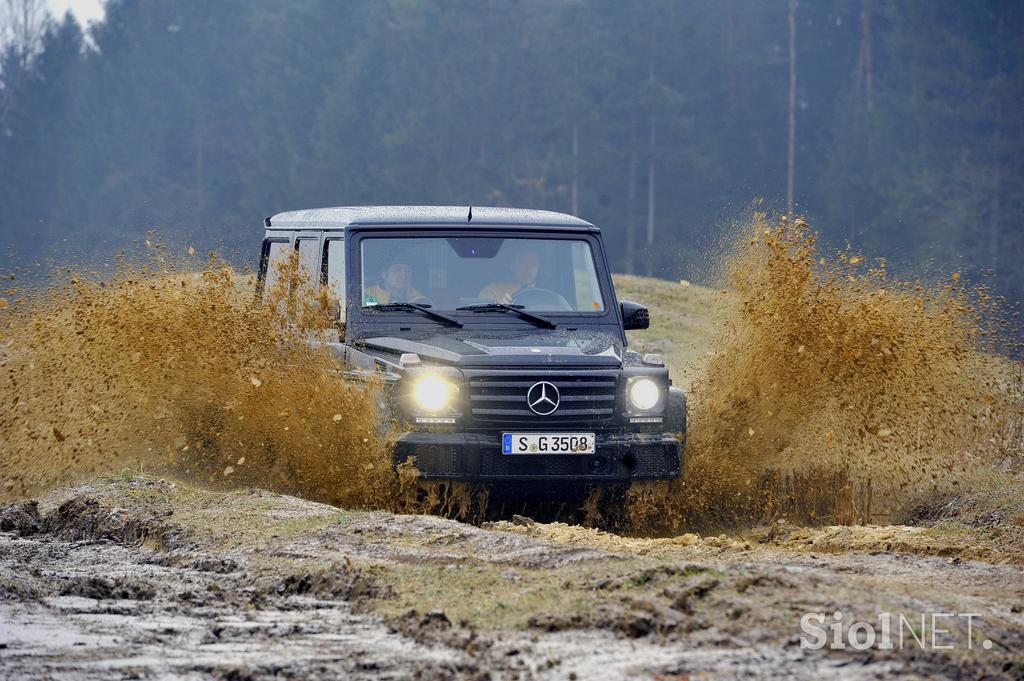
475,457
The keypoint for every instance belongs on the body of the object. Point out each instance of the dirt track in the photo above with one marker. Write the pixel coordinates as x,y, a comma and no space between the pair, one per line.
820,389
135,577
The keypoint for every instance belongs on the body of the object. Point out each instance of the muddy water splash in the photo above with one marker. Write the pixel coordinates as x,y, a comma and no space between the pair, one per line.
833,392
177,369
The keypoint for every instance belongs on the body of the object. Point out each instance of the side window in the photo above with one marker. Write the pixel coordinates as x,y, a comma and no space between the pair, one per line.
309,263
274,262
334,272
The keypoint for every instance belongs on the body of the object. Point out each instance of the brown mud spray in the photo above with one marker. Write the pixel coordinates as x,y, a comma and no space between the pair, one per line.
833,392
172,370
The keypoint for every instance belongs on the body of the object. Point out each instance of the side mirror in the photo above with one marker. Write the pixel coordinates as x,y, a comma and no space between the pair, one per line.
634,316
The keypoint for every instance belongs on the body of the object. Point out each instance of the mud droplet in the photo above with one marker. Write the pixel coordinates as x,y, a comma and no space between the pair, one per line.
255,381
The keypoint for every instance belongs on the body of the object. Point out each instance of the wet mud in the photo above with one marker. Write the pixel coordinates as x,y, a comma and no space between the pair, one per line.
249,584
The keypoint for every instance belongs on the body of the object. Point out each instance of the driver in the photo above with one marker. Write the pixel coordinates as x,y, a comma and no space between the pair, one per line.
394,285
524,268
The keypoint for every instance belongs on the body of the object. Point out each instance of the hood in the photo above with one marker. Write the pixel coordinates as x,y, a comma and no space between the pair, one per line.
469,348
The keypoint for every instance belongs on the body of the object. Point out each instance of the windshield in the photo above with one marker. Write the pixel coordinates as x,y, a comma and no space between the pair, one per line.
447,273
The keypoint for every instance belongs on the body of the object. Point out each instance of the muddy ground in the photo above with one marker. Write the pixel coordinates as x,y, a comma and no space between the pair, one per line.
138,577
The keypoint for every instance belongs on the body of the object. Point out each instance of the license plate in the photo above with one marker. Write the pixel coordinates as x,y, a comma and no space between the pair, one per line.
548,443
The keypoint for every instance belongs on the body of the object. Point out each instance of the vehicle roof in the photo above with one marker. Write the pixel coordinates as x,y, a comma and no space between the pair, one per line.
407,216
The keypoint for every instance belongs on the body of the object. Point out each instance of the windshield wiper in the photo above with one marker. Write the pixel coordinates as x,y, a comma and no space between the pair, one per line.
414,307
518,309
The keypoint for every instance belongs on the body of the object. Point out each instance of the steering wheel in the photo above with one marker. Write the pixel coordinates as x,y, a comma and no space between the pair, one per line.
540,299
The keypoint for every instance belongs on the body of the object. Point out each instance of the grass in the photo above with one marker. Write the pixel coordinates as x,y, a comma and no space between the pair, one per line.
504,597
501,597
236,519
682,324
989,505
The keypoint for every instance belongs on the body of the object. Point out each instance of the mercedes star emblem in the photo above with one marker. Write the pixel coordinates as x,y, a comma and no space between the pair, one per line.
542,398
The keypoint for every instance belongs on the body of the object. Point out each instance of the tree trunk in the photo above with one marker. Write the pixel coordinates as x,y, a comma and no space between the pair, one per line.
995,217
575,168
791,159
648,264
650,200
865,54
200,166
730,59
631,200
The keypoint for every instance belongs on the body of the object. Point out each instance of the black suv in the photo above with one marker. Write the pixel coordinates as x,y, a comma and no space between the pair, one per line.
497,336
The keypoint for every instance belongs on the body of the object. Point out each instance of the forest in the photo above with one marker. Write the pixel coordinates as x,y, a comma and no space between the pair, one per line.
894,126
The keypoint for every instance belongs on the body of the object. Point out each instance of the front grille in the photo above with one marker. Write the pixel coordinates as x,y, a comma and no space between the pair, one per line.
584,398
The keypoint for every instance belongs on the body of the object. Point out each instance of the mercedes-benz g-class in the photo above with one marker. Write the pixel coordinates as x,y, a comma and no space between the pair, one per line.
497,338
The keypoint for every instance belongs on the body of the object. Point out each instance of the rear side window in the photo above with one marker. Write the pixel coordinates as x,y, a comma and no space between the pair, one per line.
276,260
334,272
309,264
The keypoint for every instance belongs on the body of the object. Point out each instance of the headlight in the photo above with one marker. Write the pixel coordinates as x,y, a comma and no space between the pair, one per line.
644,394
432,393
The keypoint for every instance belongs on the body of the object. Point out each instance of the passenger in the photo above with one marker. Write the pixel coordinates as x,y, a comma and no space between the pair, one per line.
524,267
394,285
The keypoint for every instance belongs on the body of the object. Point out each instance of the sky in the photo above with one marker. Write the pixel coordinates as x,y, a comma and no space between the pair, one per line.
84,10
